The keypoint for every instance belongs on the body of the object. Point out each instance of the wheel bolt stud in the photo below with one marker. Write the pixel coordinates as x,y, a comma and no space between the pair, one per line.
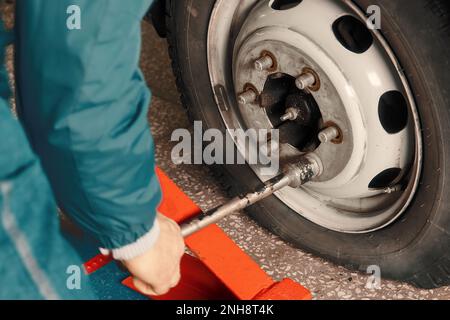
264,63
328,134
247,97
393,189
291,114
305,81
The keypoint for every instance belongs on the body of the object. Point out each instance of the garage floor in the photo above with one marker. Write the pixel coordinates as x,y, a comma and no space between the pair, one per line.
278,259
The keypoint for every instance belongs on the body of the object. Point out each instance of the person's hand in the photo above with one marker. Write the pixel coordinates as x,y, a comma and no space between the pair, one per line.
158,270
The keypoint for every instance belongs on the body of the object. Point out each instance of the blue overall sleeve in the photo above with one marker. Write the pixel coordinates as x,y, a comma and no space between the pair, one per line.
84,102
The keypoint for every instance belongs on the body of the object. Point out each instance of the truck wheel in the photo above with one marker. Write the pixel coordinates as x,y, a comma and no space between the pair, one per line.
383,197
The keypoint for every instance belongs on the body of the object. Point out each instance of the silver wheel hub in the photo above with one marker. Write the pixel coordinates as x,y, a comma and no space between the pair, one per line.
370,174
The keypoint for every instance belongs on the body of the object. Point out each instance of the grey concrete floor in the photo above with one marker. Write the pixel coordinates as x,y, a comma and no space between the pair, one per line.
279,259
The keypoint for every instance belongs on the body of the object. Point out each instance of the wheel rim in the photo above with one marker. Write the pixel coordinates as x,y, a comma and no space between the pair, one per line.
362,91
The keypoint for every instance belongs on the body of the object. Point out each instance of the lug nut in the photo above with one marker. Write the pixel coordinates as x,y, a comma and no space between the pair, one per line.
247,97
328,134
305,80
264,63
291,114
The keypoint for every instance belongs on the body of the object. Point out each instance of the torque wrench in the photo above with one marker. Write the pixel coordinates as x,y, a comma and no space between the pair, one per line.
294,175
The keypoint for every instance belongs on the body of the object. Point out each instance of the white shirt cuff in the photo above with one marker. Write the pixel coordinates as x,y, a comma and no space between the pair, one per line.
135,249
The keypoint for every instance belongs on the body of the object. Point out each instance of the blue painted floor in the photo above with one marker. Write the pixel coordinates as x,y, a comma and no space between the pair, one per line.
107,280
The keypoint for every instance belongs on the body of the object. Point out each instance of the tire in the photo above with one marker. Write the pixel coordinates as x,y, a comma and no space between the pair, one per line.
414,248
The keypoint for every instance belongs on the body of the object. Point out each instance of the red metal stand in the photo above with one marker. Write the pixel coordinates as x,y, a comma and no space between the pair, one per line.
220,269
